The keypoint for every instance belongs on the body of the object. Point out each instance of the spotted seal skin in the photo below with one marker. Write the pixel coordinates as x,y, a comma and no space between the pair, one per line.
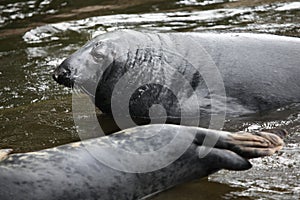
259,71
70,172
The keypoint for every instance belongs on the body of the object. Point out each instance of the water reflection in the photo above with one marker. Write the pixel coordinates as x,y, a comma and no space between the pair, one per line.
12,12
233,19
201,190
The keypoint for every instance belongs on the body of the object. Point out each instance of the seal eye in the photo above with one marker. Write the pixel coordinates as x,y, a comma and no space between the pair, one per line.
96,52
97,56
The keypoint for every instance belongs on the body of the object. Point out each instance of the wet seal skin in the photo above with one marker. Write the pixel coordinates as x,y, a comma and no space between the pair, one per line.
70,172
259,71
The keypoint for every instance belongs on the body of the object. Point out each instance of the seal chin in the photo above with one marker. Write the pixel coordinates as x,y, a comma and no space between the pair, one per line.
62,75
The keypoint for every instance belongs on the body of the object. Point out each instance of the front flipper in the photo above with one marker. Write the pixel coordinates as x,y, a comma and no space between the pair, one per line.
225,159
254,145
232,150
247,145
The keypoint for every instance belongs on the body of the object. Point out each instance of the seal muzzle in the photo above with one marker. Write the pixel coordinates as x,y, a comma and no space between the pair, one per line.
62,75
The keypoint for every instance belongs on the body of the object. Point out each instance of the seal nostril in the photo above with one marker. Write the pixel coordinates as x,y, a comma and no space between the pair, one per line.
67,72
55,77
64,71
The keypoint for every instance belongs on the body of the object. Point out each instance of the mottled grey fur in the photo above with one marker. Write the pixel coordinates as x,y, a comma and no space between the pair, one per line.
70,172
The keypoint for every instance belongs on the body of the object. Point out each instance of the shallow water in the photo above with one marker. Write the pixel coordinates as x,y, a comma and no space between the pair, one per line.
35,112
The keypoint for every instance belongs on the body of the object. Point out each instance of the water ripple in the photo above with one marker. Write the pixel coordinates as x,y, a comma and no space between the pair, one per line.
234,19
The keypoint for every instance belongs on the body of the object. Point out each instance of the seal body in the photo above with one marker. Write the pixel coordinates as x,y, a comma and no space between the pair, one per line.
186,73
77,170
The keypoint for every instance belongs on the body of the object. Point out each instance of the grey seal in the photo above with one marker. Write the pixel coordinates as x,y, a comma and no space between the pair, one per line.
71,172
259,72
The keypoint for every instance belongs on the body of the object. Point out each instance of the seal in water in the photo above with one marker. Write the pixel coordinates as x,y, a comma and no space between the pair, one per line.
71,172
259,72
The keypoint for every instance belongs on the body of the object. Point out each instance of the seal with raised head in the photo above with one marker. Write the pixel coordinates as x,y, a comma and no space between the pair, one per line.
186,72
72,171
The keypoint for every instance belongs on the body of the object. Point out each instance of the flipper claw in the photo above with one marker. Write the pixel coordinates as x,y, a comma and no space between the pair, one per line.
4,153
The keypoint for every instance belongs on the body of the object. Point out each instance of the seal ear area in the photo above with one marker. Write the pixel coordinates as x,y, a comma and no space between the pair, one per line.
4,153
224,159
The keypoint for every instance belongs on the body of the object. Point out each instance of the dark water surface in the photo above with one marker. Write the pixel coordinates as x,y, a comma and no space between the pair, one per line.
35,113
